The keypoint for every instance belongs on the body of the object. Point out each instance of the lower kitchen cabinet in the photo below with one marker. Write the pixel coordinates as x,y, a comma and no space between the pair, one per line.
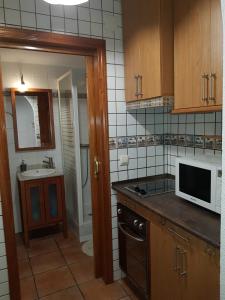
42,204
182,266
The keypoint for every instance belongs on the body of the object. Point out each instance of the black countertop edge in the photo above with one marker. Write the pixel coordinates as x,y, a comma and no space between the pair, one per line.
214,218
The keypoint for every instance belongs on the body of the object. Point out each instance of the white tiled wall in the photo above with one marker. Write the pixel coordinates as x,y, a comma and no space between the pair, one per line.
4,285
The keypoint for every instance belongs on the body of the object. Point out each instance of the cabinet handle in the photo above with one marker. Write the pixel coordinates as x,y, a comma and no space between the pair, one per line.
212,87
140,86
205,78
178,235
136,77
183,270
176,267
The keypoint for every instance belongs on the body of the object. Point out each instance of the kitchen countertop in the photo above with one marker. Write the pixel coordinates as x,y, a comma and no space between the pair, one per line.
195,219
20,176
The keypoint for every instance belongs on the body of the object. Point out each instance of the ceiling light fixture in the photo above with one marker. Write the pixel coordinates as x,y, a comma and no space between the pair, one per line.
66,2
22,85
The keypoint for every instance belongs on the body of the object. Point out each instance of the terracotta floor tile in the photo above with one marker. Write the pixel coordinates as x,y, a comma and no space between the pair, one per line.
68,294
47,262
73,255
24,269
22,252
54,281
28,290
83,271
71,241
42,246
97,290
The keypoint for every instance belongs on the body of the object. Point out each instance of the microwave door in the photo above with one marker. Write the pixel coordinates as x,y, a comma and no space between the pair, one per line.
195,182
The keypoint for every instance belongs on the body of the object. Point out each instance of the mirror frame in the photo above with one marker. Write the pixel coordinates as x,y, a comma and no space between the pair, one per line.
51,145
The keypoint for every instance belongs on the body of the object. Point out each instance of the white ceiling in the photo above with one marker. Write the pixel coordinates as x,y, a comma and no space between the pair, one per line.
41,58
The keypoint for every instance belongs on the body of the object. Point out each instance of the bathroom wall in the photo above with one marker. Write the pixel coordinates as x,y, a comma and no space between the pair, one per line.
36,76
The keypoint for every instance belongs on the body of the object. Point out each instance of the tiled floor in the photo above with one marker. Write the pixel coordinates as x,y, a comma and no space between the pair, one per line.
54,268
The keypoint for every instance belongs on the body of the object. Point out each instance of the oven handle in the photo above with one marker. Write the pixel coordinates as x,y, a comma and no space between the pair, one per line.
136,238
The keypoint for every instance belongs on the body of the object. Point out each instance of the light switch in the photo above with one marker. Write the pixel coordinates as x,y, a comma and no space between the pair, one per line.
124,160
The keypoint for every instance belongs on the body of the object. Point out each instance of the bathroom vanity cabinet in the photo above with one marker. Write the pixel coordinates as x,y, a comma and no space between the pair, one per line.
42,203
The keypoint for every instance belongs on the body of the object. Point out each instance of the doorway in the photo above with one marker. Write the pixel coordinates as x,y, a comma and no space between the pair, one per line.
94,51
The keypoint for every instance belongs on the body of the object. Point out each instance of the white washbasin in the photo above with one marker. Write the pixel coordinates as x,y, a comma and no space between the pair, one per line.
38,172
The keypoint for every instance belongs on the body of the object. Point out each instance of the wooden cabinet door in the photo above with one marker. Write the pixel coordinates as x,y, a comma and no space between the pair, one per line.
35,204
216,52
53,199
131,33
149,42
203,274
192,52
164,277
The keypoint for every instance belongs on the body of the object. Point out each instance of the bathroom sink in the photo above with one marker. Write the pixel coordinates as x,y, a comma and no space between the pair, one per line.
38,172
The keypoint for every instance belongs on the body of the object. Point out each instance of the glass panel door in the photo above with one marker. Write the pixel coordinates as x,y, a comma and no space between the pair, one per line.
35,204
53,193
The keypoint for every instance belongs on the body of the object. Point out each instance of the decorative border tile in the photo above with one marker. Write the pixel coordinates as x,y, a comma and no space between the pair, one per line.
122,142
212,142
199,141
112,143
132,141
189,140
141,141
156,102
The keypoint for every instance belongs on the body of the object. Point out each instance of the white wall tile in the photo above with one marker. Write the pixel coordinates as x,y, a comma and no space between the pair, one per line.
28,19
71,12
57,24
3,276
43,22
4,289
84,28
27,5
12,17
42,7
57,10
96,16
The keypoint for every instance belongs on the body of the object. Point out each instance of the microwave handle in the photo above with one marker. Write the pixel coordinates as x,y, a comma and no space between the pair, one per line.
133,237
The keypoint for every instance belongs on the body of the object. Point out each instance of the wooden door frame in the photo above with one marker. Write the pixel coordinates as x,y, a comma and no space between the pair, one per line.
95,52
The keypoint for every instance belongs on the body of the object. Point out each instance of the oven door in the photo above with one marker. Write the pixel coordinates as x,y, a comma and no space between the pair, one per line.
134,259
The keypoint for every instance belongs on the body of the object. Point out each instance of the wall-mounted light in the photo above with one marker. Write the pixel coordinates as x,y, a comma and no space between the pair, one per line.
22,85
66,2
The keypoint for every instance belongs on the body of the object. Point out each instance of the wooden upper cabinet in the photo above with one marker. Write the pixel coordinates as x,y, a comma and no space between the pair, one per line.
197,55
148,46
217,49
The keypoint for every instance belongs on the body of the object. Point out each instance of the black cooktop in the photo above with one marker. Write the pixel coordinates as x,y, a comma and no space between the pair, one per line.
146,189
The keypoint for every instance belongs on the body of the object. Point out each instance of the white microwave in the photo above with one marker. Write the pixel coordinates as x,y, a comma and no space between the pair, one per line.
199,181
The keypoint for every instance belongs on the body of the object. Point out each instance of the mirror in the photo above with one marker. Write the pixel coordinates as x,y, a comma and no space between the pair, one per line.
33,119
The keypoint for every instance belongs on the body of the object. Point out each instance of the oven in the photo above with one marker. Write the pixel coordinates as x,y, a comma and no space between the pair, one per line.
134,250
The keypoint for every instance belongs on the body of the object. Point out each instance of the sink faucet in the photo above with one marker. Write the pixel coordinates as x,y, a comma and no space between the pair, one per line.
49,162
